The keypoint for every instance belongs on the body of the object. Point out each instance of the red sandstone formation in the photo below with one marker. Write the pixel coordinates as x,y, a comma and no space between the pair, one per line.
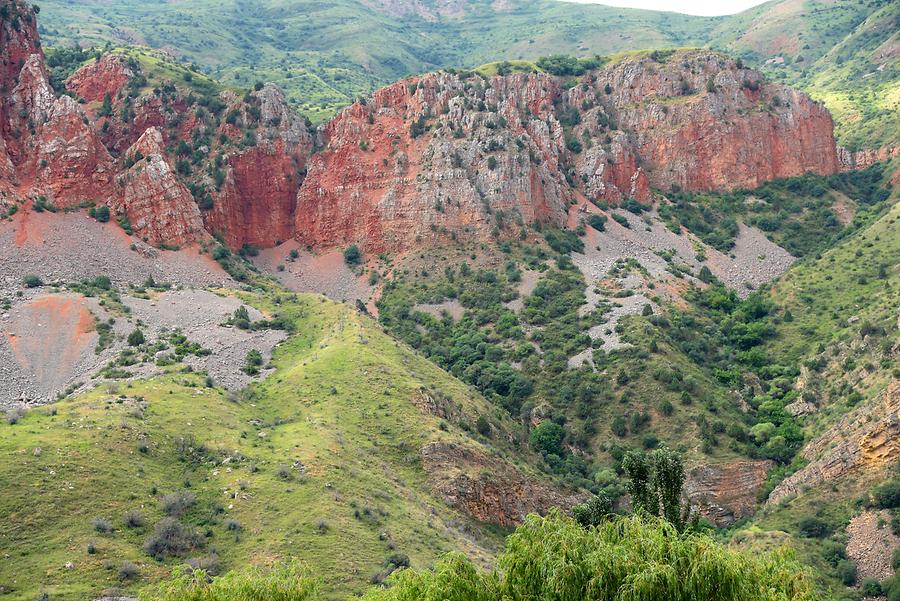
105,76
424,161
441,155
159,207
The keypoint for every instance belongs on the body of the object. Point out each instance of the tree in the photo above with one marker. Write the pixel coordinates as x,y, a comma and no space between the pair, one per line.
547,438
656,483
594,511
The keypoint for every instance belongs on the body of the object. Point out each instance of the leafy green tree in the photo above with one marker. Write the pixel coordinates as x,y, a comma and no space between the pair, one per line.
547,438
594,511
656,484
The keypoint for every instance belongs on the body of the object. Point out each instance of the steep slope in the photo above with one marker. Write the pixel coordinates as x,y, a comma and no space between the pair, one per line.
320,460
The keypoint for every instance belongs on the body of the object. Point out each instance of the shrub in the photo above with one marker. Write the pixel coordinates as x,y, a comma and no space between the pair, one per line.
171,538
598,222
14,414
254,361
887,496
128,571
208,564
102,525
101,213
232,525
133,519
483,426
621,220
32,281
846,571
813,527
871,587
136,338
352,255
177,503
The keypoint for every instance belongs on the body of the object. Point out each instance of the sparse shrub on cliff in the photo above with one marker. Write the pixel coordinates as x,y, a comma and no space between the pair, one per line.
598,222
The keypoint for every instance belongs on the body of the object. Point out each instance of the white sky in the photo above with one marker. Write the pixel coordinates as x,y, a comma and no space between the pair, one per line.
691,7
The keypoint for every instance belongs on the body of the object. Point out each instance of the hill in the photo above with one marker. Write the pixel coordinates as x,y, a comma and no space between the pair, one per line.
327,458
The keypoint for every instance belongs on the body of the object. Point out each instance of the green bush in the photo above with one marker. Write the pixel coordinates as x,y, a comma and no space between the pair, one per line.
136,338
887,496
547,438
813,527
846,571
32,281
352,255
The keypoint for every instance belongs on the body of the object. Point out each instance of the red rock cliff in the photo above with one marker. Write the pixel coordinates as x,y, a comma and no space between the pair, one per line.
441,156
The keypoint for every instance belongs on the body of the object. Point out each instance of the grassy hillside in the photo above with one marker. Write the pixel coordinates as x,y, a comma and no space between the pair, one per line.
319,461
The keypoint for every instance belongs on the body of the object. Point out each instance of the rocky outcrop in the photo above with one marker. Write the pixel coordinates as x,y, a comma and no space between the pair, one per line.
700,122
485,488
435,159
850,161
159,207
726,492
256,204
447,156
104,76
865,441
67,161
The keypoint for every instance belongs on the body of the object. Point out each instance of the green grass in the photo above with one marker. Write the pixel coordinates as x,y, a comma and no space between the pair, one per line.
339,403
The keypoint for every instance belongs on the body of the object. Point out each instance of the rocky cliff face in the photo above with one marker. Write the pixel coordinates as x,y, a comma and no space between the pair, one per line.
160,209
866,441
489,490
725,493
429,160
449,156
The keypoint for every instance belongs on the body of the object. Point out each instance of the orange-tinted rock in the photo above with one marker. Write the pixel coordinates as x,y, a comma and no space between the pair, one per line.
495,153
726,492
98,78
377,184
487,488
862,159
160,208
66,160
256,202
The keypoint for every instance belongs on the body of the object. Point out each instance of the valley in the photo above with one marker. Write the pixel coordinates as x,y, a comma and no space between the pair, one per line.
354,329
